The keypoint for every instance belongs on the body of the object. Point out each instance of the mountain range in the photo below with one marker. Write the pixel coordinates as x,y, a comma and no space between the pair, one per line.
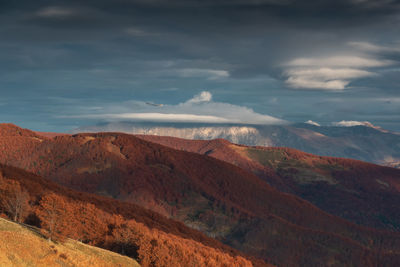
228,202
363,142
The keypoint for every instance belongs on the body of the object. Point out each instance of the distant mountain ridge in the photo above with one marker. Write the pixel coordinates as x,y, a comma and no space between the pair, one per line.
236,134
361,142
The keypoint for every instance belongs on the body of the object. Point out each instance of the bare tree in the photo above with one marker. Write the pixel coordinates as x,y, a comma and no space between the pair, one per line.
14,199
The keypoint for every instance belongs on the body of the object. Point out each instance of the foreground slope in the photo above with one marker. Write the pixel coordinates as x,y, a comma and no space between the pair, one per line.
122,227
360,192
215,197
25,246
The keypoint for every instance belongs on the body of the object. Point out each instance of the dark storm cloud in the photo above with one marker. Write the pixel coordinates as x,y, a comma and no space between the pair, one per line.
190,13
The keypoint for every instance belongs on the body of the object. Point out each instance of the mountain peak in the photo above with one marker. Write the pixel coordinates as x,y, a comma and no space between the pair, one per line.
313,123
9,129
344,123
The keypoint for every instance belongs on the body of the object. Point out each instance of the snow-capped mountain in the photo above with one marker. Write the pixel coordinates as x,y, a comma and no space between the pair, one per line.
361,142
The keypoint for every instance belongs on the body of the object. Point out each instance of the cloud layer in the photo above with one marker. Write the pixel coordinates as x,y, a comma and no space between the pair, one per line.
330,73
199,109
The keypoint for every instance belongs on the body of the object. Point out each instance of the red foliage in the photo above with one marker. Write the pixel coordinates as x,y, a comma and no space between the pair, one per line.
363,193
112,225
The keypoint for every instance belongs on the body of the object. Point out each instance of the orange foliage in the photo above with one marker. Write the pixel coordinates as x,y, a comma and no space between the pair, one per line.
155,248
54,213
90,222
74,219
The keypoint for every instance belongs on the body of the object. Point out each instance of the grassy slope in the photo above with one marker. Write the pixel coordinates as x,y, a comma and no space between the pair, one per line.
22,246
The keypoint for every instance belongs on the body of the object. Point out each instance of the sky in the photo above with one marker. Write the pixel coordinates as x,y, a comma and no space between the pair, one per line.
67,64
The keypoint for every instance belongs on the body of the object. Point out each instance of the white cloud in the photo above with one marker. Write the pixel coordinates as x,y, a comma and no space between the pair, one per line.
159,117
211,74
172,69
202,97
200,108
330,73
312,123
340,61
306,83
323,78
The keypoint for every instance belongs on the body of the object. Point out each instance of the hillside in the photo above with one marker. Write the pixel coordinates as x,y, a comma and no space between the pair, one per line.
122,227
219,199
360,192
25,246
